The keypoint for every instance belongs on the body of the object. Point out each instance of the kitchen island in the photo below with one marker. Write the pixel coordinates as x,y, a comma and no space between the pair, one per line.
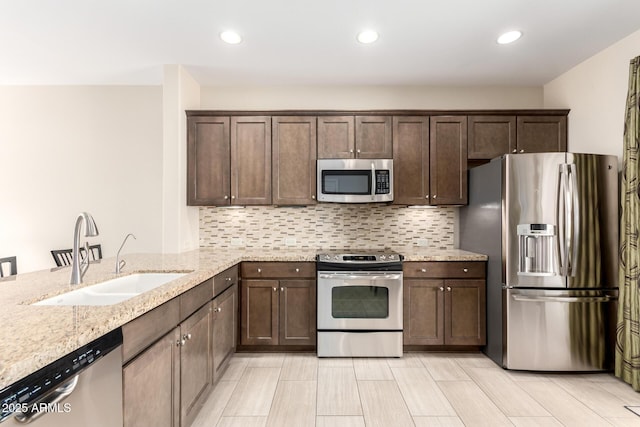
34,336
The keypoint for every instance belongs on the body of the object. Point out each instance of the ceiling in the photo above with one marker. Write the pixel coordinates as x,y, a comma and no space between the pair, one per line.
301,42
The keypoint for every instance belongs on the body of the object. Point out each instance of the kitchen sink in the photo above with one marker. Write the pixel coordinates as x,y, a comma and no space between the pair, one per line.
112,291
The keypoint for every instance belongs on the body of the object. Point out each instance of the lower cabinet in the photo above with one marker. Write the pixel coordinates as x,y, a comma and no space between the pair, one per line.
278,304
444,303
224,329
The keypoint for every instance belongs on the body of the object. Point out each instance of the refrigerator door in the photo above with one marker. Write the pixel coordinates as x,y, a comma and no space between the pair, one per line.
559,330
589,221
532,188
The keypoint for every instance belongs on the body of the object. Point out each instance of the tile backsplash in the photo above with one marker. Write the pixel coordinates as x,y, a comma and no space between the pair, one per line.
327,226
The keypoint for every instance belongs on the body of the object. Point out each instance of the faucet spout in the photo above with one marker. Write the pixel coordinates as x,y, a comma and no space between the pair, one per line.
79,267
121,263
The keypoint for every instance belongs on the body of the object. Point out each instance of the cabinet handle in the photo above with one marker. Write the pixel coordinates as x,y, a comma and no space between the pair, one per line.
351,151
449,288
313,197
186,337
466,270
434,196
358,151
281,289
226,197
259,270
228,279
426,197
179,343
424,270
441,289
522,151
233,197
297,270
515,151
275,289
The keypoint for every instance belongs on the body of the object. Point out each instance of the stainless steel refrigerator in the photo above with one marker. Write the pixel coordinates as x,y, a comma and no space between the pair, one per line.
549,224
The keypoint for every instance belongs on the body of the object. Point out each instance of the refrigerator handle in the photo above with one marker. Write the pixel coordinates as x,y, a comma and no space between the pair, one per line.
573,219
561,217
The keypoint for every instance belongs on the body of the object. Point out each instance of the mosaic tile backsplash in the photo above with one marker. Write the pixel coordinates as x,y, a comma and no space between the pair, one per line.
327,226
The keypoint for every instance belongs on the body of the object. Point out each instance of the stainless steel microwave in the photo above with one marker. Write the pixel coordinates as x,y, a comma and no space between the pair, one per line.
355,180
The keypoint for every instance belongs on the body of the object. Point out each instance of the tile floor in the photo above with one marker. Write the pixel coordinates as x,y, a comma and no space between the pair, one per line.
421,389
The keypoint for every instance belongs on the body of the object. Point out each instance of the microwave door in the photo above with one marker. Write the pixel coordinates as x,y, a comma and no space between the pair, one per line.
373,181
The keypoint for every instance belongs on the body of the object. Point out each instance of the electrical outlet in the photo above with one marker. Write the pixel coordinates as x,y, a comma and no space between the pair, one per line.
237,241
423,242
290,241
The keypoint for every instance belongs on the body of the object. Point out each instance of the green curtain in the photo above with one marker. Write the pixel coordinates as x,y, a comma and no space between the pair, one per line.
628,327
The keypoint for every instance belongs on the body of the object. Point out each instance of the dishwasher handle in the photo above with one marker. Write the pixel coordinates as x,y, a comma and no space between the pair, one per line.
57,395
564,299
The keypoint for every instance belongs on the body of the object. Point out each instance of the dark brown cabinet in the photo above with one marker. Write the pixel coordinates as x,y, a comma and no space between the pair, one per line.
444,303
208,161
348,137
228,160
251,160
224,329
411,160
448,160
278,304
538,134
491,136
294,160
156,369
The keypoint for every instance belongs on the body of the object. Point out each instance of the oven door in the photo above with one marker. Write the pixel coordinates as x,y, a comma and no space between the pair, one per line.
366,301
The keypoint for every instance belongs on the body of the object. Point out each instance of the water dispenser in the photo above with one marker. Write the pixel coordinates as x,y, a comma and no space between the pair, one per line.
537,250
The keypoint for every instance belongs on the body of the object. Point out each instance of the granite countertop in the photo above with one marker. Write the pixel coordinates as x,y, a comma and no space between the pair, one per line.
34,336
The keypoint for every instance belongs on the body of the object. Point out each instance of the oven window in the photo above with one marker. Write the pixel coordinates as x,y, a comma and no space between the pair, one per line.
361,302
346,182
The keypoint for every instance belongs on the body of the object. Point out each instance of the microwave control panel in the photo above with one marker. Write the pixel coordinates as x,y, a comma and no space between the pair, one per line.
383,185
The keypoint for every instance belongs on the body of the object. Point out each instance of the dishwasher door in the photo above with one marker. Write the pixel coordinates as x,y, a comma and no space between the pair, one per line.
81,389
559,330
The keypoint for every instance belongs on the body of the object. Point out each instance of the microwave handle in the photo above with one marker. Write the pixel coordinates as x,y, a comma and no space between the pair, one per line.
373,179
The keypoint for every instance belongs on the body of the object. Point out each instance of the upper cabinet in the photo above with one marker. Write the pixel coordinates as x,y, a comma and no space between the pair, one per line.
294,160
370,138
228,160
494,135
411,160
448,160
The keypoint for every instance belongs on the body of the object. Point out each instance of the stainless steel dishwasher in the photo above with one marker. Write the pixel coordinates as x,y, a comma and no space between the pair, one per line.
83,388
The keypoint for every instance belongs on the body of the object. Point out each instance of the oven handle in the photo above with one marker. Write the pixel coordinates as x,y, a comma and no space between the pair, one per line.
350,276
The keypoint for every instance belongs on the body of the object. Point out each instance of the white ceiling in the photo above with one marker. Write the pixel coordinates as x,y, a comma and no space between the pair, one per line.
302,42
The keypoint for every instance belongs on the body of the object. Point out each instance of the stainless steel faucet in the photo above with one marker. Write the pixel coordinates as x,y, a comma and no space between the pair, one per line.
79,267
121,263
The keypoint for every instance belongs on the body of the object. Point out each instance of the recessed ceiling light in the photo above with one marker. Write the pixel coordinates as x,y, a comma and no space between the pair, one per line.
509,37
367,36
230,37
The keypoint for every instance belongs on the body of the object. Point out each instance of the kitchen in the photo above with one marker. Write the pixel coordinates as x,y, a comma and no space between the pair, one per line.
85,162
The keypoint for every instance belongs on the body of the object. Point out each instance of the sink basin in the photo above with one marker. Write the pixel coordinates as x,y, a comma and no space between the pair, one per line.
112,291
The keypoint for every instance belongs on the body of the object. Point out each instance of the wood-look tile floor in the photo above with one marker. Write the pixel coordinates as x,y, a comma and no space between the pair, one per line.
420,389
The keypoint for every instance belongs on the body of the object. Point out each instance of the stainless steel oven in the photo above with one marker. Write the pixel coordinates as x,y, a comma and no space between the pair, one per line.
355,180
359,305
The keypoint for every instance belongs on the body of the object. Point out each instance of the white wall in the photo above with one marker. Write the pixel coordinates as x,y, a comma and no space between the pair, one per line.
64,150
596,92
369,97
180,224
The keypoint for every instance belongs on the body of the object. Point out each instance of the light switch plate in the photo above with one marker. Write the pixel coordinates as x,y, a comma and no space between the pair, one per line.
237,241
423,242
290,241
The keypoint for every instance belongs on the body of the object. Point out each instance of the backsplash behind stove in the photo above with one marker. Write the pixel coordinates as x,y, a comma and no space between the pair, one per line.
327,226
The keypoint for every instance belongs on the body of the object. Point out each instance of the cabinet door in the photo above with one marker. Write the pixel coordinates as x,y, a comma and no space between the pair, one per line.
259,312
540,134
336,137
251,160
297,312
411,160
491,136
208,154
294,160
224,328
150,385
465,321
373,137
195,363
448,169
423,312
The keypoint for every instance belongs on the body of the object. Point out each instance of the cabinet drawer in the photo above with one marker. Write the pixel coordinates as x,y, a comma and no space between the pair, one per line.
225,279
195,298
259,270
144,330
444,269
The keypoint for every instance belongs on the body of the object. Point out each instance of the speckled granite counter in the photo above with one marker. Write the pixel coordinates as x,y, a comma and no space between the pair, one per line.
34,336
